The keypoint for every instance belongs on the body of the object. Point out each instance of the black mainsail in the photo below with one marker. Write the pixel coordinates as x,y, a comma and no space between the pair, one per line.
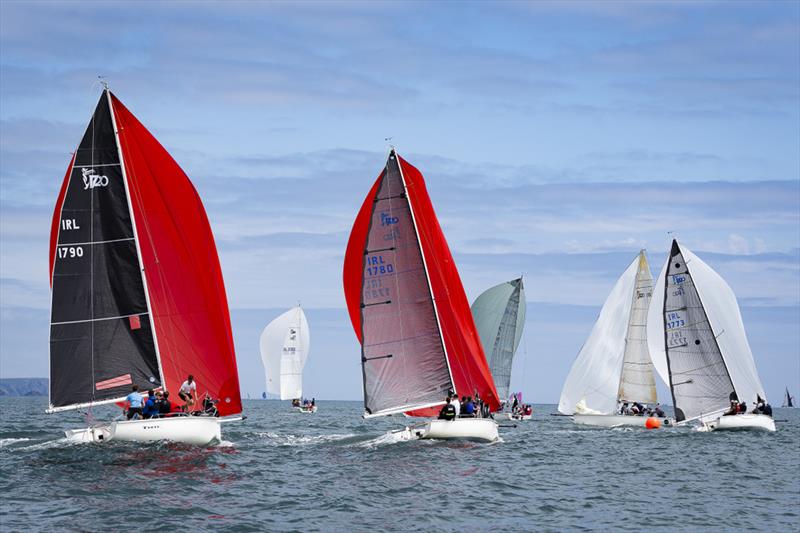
101,334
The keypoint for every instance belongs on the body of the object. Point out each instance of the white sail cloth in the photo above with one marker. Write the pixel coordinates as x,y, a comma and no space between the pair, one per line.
725,319
594,377
638,380
285,344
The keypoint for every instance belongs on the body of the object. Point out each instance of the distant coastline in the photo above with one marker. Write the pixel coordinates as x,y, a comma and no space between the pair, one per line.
23,386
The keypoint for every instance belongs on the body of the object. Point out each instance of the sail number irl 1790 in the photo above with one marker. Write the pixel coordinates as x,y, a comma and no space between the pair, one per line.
70,251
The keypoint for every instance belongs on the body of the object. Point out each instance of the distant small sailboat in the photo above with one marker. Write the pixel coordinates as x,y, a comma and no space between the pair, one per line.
137,290
285,344
699,346
614,366
409,310
788,400
499,314
519,410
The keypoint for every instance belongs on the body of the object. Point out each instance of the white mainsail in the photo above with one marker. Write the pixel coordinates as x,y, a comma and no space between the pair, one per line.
719,304
638,382
613,362
285,344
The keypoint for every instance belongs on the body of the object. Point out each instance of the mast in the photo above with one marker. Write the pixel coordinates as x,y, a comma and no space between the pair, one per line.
393,155
135,235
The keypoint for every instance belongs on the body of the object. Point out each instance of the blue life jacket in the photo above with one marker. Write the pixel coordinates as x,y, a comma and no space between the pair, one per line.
150,408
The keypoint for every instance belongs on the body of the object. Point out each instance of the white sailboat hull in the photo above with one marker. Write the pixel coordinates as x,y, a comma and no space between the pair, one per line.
478,429
743,421
198,430
613,421
307,410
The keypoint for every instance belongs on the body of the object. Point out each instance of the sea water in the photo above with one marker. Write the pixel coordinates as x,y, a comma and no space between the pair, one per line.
334,471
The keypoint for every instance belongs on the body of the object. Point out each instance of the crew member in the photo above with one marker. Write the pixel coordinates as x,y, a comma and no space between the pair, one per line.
188,391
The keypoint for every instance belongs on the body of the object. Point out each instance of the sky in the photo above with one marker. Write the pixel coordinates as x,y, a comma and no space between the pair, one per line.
556,140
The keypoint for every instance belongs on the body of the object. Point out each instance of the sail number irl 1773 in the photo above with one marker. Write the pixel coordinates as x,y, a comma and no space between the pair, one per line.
70,251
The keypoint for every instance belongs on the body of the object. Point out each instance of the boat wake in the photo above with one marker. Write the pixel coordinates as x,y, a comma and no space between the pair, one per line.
276,439
63,442
4,443
390,437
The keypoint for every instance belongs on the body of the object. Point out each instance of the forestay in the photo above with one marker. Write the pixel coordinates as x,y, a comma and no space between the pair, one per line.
499,314
285,344
697,340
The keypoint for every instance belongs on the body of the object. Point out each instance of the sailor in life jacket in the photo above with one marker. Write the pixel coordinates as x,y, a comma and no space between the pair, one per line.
448,412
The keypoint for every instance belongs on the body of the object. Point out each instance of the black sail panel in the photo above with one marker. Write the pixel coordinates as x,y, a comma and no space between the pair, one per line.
699,379
101,339
403,359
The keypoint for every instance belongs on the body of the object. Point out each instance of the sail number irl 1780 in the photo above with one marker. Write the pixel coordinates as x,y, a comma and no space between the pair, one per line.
376,266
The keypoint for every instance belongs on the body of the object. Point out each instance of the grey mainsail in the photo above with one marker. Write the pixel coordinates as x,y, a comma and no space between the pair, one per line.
699,378
499,315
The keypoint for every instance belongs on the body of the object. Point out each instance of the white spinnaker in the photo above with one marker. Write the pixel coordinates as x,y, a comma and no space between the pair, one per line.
595,374
285,344
725,319
637,381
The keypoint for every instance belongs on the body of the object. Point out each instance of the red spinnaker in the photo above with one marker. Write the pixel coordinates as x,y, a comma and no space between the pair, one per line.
57,217
467,361
184,278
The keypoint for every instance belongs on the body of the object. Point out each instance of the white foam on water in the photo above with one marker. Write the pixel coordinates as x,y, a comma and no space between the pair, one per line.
10,441
225,444
63,442
302,440
390,437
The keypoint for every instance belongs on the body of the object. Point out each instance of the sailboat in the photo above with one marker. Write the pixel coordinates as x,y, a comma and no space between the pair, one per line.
137,291
409,310
788,400
699,346
499,314
285,344
613,366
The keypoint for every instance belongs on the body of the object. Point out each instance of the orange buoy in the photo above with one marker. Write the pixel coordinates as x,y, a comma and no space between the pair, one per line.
652,423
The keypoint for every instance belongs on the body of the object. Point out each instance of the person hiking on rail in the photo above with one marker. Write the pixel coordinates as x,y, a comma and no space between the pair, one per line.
188,391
